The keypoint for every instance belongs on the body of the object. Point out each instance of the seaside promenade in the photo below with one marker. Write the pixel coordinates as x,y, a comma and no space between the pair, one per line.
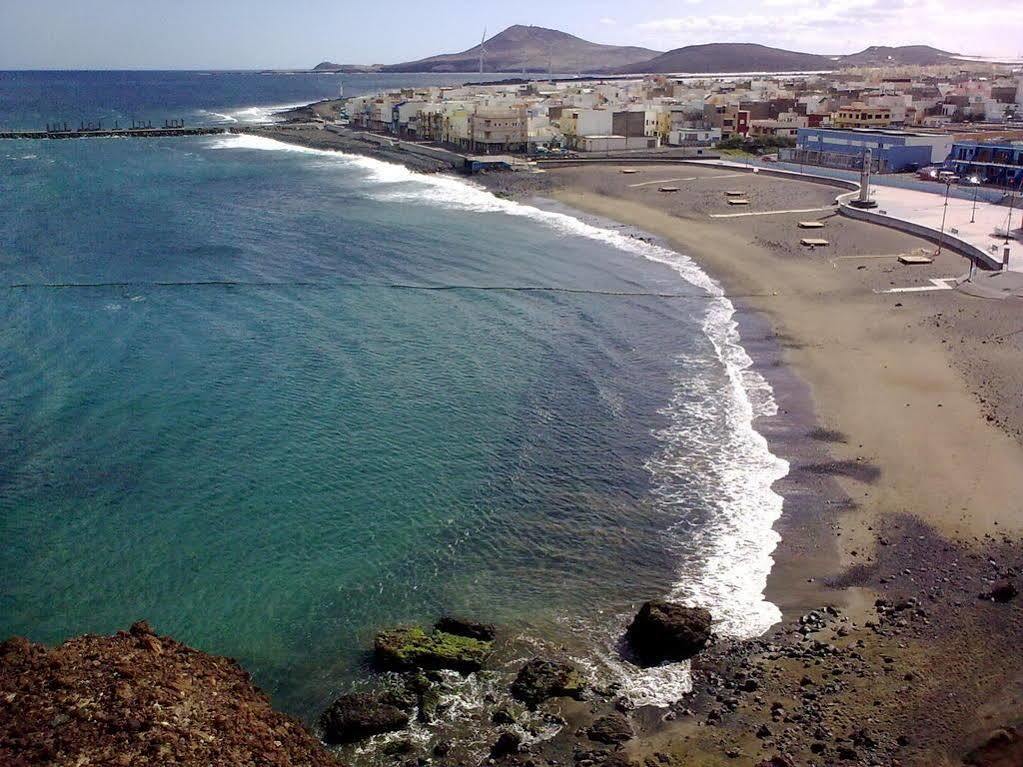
982,225
965,224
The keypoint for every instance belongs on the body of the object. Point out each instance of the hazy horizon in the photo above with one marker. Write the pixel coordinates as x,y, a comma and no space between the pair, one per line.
113,34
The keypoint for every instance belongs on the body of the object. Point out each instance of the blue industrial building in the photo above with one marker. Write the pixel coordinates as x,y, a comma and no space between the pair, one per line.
996,163
892,151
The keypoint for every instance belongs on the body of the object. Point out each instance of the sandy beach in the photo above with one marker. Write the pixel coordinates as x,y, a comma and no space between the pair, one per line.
901,414
915,401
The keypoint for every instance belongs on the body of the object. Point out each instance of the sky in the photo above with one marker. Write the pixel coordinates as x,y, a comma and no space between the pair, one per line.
271,34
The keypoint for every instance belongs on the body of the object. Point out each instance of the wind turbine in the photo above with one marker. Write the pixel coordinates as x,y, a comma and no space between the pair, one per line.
483,48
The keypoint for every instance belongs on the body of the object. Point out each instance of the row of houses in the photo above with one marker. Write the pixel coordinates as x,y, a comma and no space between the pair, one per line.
499,119
907,118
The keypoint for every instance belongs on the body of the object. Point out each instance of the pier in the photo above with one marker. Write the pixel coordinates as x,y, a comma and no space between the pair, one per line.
96,130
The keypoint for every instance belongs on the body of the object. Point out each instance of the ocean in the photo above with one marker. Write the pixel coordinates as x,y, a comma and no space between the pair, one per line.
274,399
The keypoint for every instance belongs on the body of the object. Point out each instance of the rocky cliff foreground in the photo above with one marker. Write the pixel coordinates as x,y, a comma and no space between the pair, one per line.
138,699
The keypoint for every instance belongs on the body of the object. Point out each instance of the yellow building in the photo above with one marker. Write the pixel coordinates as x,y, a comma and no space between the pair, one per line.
862,116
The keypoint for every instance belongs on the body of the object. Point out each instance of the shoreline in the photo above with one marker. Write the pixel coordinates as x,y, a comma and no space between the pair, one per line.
846,496
883,551
850,524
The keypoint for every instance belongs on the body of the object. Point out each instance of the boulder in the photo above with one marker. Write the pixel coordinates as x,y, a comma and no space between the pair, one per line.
611,729
413,648
1002,592
508,742
1003,748
466,628
359,715
542,678
426,697
666,631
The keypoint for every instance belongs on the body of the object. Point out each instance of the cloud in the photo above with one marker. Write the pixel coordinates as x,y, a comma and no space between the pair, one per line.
607,20
833,26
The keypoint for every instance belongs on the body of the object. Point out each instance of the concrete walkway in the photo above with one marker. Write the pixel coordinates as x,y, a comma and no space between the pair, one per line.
926,210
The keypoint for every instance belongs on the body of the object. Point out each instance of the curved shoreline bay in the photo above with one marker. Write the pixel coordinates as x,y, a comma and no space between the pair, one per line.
286,438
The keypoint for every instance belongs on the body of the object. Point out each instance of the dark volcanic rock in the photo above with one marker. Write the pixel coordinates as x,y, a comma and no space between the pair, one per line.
136,698
1002,592
667,631
358,715
508,742
410,647
1004,748
466,628
610,729
541,679
502,716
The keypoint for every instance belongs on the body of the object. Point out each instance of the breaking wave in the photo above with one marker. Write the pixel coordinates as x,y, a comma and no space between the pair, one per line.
710,449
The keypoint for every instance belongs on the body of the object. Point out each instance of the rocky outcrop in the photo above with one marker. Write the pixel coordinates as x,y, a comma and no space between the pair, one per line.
485,632
136,698
411,647
508,742
1004,591
359,715
542,678
611,729
1003,748
666,631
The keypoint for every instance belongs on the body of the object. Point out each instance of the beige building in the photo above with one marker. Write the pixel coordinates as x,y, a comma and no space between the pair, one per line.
862,116
504,130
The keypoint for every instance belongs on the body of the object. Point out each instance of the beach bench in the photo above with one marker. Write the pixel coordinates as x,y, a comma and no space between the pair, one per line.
738,201
811,224
734,193
667,189
910,259
628,171
813,242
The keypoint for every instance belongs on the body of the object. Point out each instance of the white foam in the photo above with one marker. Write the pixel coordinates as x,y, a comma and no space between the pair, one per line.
260,114
734,545
248,141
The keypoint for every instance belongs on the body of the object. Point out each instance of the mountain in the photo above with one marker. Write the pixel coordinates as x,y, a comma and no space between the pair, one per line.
904,55
730,57
535,49
330,66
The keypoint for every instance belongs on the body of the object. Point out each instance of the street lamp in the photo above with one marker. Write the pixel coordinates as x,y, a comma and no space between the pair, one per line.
976,188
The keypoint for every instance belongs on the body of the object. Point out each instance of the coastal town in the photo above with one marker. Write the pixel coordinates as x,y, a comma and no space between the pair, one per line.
846,238
911,118
919,143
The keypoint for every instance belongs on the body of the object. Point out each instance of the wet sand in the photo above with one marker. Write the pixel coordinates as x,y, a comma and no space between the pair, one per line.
906,479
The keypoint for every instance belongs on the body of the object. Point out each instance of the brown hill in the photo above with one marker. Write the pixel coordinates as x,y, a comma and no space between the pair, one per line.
138,699
903,55
533,49
730,57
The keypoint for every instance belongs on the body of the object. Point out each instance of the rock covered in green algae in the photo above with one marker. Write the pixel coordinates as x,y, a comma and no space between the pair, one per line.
410,647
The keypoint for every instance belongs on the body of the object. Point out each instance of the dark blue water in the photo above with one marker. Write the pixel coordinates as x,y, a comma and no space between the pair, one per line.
30,100
274,399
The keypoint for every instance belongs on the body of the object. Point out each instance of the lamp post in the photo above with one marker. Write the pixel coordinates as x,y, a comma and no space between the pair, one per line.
944,213
976,188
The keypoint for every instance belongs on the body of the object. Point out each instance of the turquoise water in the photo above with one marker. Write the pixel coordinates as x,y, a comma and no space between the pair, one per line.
234,402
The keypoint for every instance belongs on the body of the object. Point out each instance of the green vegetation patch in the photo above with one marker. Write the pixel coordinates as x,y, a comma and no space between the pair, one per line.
410,647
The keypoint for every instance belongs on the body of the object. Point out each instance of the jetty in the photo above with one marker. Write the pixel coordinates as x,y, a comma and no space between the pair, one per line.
96,130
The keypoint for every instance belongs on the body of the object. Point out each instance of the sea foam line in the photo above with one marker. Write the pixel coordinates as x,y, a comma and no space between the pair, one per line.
737,542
